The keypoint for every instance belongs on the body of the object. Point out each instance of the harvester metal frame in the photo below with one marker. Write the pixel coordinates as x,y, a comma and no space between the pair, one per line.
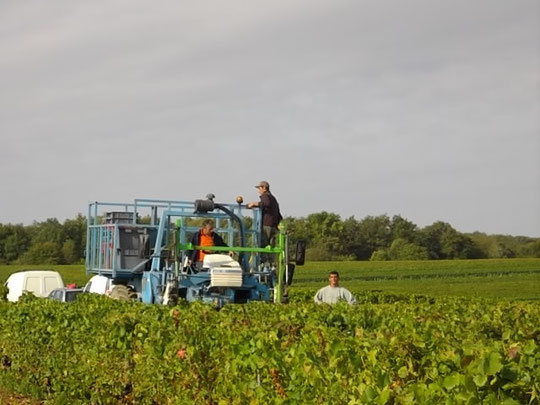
152,272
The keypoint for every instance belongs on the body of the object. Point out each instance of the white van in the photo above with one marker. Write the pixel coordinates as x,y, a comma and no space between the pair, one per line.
38,282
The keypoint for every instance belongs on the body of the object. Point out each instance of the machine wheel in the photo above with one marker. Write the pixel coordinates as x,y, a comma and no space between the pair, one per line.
123,293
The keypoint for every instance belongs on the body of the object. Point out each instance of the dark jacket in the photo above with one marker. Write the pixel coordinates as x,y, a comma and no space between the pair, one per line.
196,240
270,210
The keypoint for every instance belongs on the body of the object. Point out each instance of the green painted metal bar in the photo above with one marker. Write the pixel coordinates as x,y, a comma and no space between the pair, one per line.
268,249
280,266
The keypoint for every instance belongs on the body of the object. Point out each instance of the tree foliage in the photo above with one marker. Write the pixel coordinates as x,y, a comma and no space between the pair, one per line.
401,228
401,249
47,242
46,252
14,241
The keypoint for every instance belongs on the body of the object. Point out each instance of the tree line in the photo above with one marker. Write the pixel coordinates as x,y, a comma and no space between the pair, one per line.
47,242
328,238
384,238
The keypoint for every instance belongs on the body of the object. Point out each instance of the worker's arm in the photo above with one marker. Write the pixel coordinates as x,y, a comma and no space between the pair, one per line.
265,202
318,297
349,297
218,241
191,254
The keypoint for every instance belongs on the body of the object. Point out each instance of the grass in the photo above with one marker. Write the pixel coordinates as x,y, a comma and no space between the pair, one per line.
421,268
493,278
513,287
74,273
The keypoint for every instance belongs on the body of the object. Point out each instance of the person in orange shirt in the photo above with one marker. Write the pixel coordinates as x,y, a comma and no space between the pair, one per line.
205,237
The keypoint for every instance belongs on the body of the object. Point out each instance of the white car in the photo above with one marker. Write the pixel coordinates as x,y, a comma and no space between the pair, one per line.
65,294
38,282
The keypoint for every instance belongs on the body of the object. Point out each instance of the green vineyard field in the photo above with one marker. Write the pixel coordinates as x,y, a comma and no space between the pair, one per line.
386,349
463,332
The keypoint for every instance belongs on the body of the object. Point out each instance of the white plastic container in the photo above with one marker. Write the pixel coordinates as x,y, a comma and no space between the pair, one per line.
99,285
224,271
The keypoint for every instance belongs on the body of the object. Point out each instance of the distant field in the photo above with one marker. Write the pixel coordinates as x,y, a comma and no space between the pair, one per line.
495,278
359,270
70,273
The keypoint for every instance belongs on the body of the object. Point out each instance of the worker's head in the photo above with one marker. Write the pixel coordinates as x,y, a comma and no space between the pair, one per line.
208,226
262,186
333,278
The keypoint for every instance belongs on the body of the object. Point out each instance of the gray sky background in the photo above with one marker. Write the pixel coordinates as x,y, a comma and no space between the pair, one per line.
422,108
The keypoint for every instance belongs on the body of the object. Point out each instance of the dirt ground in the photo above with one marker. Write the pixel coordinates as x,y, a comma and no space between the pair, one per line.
7,398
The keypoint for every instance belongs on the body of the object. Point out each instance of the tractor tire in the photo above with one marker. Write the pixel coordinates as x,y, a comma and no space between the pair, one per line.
123,293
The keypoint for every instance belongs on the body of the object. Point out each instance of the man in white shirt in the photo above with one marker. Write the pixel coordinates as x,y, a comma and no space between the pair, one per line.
333,293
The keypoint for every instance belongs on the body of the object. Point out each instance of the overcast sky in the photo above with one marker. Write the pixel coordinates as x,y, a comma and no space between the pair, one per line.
422,108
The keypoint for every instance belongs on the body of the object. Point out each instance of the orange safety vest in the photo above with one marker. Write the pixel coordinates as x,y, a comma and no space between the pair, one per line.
206,240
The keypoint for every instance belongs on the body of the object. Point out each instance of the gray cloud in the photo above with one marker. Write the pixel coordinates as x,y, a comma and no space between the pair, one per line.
424,109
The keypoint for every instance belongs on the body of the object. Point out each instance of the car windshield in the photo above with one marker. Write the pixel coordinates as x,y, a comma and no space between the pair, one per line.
72,295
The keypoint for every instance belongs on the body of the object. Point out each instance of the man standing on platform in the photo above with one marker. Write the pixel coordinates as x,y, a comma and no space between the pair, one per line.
271,216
